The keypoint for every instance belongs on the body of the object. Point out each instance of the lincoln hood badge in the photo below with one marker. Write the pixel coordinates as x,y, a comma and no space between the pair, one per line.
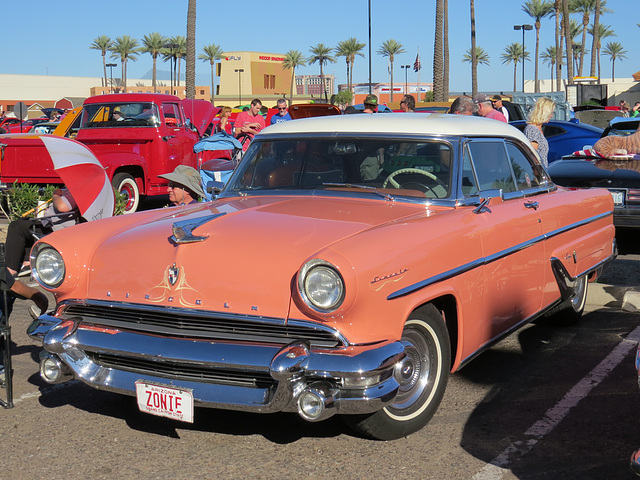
173,274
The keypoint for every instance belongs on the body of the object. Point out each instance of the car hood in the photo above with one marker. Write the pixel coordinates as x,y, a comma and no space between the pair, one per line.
241,254
200,112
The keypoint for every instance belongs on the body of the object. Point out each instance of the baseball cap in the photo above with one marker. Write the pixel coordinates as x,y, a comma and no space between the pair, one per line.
481,98
371,100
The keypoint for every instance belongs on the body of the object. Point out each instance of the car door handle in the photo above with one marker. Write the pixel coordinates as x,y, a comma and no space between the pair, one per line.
166,138
533,205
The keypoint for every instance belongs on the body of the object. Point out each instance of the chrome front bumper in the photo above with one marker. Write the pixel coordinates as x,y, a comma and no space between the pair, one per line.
245,376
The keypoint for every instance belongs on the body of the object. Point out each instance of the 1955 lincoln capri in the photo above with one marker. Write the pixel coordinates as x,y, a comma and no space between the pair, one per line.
349,265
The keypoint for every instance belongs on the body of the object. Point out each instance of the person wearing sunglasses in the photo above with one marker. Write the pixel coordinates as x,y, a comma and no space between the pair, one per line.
283,112
185,185
408,104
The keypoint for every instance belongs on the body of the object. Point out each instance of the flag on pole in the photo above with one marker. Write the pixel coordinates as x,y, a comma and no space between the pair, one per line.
417,66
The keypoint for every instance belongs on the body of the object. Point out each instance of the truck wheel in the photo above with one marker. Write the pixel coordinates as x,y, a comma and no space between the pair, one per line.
127,186
423,378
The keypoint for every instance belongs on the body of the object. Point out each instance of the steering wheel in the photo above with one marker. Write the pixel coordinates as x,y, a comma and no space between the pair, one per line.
391,179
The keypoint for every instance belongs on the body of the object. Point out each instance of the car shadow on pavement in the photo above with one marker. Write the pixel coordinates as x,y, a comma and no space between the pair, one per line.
280,428
594,440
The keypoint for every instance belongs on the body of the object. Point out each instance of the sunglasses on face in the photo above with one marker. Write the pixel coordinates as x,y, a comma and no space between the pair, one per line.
282,109
175,185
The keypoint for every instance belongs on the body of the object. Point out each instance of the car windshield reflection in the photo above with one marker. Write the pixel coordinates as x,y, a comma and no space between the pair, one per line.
397,168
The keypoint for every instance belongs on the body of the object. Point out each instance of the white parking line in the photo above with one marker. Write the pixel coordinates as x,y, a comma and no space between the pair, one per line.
500,465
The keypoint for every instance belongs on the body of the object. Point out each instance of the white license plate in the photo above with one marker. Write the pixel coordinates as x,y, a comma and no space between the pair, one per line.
618,197
165,401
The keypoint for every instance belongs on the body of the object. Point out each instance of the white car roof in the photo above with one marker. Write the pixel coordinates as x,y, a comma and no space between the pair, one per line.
400,123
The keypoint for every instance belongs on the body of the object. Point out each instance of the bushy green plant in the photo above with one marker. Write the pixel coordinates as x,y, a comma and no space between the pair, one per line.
121,202
22,199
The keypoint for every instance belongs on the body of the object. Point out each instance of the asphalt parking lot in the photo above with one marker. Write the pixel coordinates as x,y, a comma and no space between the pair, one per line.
545,403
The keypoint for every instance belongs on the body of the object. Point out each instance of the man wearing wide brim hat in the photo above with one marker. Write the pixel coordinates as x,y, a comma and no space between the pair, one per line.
185,185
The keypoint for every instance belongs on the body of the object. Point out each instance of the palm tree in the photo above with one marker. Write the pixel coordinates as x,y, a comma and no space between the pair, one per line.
514,53
575,30
614,51
537,9
604,31
438,53
349,49
482,57
171,54
181,53
557,8
473,50
391,48
190,64
211,53
322,55
550,57
293,59
568,40
595,40
102,43
153,44
445,50
125,48
585,7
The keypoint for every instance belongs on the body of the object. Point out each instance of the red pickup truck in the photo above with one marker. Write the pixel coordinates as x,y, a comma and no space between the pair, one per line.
136,137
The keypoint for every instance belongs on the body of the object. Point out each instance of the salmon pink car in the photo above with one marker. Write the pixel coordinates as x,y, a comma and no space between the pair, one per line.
350,264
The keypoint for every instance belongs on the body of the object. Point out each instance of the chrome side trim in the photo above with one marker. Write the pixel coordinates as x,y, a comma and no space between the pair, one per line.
492,258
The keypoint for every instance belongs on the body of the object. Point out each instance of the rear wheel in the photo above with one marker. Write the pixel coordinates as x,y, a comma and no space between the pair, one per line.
570,311
423,377
127,186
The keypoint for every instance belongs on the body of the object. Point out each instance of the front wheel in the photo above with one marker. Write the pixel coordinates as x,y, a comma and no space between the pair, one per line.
423,377
126,185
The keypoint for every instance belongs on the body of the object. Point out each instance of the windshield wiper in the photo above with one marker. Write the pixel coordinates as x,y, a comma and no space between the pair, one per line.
368,188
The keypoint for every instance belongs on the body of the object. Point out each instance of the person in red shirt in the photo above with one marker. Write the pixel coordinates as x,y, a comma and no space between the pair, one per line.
485,108
249,122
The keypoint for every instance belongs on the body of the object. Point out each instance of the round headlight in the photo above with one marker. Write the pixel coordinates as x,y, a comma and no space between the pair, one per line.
321,286
49,267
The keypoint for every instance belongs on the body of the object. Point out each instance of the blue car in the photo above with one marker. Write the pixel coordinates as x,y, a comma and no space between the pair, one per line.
565,137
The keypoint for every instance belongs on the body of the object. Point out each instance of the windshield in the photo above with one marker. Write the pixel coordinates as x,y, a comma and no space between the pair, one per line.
118,115
395,167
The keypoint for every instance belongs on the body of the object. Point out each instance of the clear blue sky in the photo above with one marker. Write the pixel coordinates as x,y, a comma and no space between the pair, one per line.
53,38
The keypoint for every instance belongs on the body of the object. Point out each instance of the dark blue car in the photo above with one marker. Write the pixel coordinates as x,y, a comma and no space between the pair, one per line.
565,137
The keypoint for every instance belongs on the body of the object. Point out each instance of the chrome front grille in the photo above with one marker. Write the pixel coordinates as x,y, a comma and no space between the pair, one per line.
184,371
188,323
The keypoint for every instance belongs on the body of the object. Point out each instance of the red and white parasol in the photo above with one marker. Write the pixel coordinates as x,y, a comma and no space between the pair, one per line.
83,176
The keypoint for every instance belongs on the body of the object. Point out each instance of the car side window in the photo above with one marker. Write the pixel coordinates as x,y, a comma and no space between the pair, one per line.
526,173
492,165
172,116
469,182
552,131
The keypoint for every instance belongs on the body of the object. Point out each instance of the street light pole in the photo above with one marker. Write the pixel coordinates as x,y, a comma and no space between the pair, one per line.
239,72
406,81
523,28
369,47
111,65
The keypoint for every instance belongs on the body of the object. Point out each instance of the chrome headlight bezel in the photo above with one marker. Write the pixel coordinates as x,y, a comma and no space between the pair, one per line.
48,267
321,286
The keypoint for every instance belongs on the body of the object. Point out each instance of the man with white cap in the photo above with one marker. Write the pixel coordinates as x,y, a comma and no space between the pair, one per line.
185,185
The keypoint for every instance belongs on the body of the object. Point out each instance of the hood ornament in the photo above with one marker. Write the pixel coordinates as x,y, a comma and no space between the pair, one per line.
183,231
